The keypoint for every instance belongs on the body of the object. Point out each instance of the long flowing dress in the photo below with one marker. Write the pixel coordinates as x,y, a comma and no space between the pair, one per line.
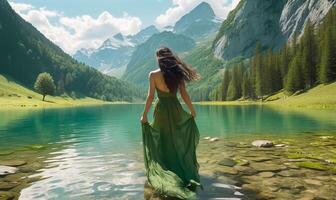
170,143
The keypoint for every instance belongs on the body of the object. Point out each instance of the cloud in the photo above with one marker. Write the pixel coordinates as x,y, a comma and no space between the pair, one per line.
73,33
181,7
20,7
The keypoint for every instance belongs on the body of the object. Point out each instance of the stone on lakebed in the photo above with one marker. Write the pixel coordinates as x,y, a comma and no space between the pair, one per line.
13,163
262,143
227,162
5,170
214,139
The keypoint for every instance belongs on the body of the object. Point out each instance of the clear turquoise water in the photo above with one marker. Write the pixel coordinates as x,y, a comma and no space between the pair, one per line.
102,157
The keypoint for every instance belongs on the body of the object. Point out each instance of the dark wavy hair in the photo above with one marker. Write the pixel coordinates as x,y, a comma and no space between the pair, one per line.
173,69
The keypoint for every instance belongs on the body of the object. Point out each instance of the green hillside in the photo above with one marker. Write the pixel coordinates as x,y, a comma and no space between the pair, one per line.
25,52
13,95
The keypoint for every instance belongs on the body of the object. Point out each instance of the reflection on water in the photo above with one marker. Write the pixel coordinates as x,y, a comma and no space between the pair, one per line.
102,157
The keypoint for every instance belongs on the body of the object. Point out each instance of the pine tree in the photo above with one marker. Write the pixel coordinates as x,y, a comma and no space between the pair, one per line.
309,55
327,60
294,79
258,65
246,85
225,84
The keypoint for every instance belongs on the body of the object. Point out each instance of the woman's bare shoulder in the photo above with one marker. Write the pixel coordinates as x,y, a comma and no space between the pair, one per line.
155,72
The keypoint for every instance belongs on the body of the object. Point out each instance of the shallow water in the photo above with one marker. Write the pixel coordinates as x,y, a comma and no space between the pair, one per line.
101,153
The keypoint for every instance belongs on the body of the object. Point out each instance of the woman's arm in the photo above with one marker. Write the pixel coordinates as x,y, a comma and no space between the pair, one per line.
186,98
150,98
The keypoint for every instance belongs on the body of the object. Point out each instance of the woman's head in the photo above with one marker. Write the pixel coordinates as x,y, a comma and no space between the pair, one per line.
173,69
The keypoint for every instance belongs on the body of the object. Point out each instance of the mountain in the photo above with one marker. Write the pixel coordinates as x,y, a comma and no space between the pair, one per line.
143,59
198,23
144,35
114,54
271,22
25,52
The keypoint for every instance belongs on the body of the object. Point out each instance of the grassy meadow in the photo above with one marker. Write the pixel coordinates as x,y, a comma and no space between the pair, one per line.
13,95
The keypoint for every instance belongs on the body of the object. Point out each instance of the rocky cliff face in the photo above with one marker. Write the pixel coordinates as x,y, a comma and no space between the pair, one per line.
270,22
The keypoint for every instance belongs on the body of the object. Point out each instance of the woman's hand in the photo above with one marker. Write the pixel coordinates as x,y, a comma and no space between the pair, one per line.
143,119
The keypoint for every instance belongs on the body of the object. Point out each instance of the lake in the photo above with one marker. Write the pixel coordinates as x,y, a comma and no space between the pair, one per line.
96,152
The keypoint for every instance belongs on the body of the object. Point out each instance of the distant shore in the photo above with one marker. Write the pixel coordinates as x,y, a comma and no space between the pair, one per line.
55,102
320,97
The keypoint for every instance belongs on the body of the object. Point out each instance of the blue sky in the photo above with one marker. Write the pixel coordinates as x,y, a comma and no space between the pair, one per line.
148,10
76,24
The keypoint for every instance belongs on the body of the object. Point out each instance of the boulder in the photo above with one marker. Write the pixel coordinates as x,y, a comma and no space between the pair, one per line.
262,143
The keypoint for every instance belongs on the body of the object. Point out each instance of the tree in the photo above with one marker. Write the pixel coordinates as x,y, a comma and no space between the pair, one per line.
225,84
327,71
246,85
294,79
309,55
45,84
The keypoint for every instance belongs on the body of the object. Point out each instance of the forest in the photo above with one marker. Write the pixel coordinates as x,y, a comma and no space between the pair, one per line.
304,62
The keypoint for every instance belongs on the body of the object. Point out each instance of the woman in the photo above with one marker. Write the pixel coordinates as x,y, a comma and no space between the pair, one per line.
170,141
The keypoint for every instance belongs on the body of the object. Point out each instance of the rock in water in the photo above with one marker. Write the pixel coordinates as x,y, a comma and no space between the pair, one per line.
207,138
227,162
214,139
5,170
13,163
262,143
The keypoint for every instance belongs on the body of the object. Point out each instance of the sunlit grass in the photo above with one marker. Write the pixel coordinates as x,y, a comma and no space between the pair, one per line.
321,96
14,95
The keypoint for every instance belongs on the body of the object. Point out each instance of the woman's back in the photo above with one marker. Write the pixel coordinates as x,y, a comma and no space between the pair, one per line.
159,81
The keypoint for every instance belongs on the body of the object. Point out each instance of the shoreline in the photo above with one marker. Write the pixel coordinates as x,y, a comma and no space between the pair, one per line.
63,103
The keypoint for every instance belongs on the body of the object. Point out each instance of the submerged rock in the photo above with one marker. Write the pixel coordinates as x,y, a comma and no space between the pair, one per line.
7,185
214,139
6,195
5,170
226,170
13,163
266,174
246,170
227,162
262,143
264,167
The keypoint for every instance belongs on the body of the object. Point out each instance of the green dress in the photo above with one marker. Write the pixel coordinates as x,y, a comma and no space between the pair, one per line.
170,143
